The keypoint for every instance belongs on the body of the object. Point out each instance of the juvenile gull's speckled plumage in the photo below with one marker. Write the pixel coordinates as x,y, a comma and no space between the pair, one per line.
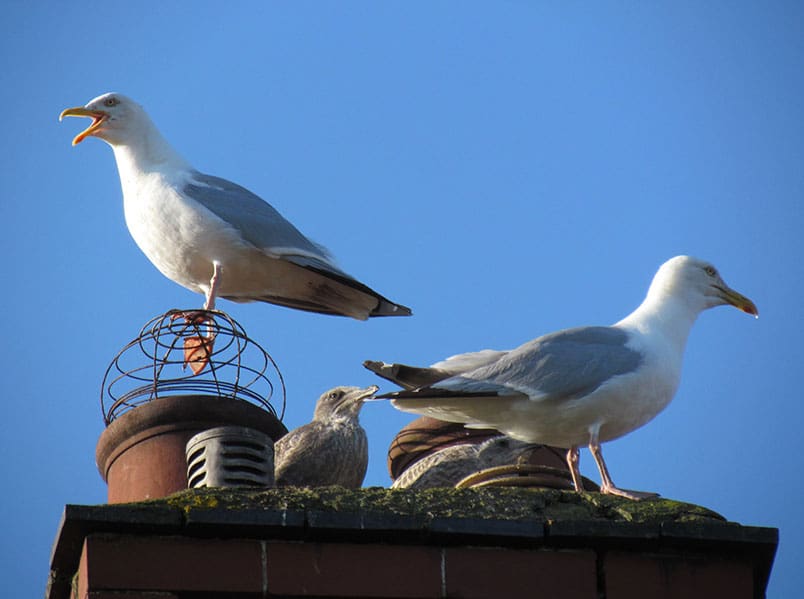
213,236
448,466
580,386
332,449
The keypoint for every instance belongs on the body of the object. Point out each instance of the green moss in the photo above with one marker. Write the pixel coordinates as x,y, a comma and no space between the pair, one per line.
189,501
652,510
509,503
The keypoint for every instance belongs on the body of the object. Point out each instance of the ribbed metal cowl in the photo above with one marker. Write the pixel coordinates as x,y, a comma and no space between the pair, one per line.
230,456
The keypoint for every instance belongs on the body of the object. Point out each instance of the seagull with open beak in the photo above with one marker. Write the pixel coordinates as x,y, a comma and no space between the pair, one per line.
213,236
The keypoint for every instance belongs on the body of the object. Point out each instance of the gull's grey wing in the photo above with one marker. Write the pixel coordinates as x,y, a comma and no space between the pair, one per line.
261,225
469,361
558,367
564,365
257,221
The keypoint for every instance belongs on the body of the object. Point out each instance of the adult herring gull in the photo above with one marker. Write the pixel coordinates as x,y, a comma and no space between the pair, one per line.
213,236
332,449
580,386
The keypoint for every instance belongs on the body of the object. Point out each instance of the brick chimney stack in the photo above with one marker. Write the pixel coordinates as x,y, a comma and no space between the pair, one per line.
153,403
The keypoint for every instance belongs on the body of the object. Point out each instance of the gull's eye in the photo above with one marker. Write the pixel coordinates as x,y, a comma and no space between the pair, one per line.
710,270
111,101
334,395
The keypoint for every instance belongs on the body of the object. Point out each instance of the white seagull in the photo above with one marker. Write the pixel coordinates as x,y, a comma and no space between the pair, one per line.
213,236
580,386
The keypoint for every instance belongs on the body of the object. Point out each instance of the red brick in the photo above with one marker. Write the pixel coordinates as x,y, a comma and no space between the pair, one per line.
352,570
476,572
80,590
630,576
129,562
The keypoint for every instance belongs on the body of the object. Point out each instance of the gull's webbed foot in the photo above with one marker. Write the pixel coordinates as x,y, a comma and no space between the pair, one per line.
635,495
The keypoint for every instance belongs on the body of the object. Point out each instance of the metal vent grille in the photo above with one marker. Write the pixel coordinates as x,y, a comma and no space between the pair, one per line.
230,456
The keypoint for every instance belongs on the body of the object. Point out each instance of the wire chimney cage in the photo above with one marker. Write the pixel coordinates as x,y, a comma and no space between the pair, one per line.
154,365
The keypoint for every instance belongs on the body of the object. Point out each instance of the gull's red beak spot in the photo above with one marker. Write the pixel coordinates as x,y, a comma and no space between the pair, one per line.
97,116
738,300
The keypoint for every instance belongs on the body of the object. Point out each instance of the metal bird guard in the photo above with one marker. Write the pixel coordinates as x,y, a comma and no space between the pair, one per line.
155,365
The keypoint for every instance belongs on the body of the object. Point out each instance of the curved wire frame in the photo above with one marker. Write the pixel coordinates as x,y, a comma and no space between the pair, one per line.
238,367
523,475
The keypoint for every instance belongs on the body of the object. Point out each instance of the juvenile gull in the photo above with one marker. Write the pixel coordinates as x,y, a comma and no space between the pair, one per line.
580,386
447,467
213,236
330,450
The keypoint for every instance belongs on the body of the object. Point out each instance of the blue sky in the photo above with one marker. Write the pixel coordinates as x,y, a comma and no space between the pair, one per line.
506,169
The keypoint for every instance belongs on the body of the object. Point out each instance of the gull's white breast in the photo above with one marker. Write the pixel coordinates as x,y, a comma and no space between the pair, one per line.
179,236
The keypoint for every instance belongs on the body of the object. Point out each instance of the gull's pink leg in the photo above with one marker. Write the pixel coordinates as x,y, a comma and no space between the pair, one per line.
198,349
573,459
607,485
214,286
197,316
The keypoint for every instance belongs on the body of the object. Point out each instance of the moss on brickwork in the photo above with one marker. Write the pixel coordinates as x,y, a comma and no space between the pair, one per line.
498,503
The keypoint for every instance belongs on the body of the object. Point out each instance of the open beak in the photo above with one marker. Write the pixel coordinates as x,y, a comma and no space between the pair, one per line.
97,116
737,300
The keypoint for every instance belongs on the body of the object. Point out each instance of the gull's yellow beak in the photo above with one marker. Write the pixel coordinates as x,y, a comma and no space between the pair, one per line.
738,300
97,117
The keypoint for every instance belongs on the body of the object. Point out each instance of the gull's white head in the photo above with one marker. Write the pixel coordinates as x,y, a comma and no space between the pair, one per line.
116,119
698,284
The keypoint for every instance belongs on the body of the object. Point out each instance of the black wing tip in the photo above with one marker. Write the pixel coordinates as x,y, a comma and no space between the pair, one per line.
383,370
434,393
387,308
